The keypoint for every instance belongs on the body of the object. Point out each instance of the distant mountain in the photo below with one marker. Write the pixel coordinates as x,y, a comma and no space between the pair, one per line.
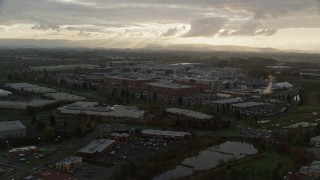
114,44
206,48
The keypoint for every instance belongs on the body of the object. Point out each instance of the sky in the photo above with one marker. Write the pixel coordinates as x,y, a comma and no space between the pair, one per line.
280,24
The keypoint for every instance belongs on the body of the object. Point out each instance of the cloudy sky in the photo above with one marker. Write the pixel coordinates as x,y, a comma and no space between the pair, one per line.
281,24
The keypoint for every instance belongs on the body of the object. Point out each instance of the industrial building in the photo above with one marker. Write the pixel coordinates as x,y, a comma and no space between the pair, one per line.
130,83
12,129
21,105
191,119
169,88
26,151
4,93
69,163
30,88
96,148
283,85
315,141
62,96
93,108
151,133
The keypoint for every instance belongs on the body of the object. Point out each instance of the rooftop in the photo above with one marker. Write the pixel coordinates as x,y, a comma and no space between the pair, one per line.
92,108
165,133
23,149
228,101
11,125
169,85
248,104
97,145
69,160
30,88
62,96
188,113
4,92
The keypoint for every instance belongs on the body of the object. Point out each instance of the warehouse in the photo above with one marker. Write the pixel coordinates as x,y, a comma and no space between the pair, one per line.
30,88
26,151
21,105
12,129
191,119
65,97
171,89
93,108
96,148
4,93
151,133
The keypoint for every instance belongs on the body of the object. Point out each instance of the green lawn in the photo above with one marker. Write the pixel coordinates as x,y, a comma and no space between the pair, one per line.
267,163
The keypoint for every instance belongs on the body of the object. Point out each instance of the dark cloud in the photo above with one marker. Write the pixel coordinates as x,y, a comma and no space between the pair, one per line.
205,27
170,32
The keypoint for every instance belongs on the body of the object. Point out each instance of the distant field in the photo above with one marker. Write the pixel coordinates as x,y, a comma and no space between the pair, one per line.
299,114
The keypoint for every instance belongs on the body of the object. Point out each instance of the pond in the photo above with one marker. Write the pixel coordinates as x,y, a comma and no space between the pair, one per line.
210,158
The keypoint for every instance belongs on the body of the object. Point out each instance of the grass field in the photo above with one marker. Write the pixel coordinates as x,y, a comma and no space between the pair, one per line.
299,114
264,166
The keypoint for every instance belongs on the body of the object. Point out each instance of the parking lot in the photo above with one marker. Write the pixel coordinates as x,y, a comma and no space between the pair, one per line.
5,170
136,148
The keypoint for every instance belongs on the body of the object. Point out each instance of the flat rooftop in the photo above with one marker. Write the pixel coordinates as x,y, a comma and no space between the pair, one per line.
20,105
93,108
62,96
97,145
27,148
248,104
165,133
228,101
170,85
11,125
69,160
189,113
4,92
30,88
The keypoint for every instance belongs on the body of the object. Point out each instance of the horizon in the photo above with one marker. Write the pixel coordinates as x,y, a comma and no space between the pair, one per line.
289,25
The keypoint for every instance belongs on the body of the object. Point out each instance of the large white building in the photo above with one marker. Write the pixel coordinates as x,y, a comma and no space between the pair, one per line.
93,108
12,129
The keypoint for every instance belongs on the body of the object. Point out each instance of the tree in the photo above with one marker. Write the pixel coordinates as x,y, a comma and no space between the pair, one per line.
34,119
122,93
288,98
78,131
65,124
30,110
155,97
180,101
40,126
141,96
238,114
52,121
